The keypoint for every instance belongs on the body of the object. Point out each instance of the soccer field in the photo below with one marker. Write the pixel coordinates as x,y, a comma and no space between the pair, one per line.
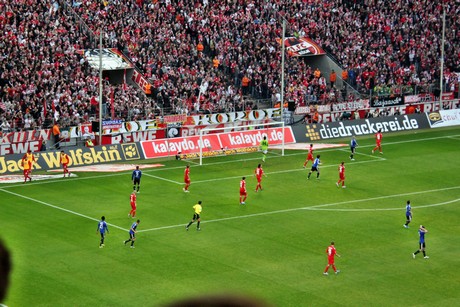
272,248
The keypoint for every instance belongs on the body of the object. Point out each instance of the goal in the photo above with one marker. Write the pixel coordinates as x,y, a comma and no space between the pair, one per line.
242,139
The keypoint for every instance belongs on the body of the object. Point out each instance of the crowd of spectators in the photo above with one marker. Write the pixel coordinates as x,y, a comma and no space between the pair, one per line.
43,79
207,56
394,45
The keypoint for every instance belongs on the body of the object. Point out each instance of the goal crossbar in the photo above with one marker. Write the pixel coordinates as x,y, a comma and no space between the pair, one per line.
260,126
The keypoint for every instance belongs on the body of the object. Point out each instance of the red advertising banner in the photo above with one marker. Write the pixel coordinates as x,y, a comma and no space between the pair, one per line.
215,142
177,118
252,138
447,96
171,147
20,148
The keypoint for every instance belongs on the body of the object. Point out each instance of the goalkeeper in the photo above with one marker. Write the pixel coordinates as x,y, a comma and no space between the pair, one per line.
264,148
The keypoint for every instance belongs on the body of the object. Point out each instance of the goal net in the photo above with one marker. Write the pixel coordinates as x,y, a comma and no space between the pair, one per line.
241,139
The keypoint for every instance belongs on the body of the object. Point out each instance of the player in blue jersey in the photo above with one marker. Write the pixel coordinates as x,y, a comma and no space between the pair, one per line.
315,167
102,229
136,178
353,145
421,232
408,214
132,233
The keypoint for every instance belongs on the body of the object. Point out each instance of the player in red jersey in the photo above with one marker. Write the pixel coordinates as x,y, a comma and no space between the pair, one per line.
259,172
27,163
378,142
331,253
186,179
309,156
341,175
243,192
132,200
64,159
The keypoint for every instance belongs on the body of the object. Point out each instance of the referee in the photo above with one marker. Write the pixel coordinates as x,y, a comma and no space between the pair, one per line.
196,216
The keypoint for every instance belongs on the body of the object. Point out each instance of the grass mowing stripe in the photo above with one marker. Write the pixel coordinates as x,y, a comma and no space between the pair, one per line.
315,208
318,207
60,208
226,162
281,172
278,258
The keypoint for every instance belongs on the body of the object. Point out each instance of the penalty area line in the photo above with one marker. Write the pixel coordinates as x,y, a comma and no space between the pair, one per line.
60,208
161,178
274,153
314,208
366,155
321,208
283,171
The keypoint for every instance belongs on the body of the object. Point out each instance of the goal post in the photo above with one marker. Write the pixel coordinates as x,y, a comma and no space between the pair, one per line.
252,132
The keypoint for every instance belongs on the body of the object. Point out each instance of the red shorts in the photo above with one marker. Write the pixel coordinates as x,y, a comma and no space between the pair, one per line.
342,177
259,179
378,144
243,192
133,206
187,181
330,260
310,158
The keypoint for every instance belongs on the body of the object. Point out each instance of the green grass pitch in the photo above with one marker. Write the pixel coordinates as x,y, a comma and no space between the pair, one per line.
272,248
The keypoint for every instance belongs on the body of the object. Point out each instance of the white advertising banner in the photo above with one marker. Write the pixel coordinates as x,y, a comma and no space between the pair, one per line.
444,118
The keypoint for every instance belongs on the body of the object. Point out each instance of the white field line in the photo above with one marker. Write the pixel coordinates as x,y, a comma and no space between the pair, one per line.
376,156
303,152
315,208
283,171
233,161
161,178
416,140
319,207
191,161
274,153
84,178
60,208
221,162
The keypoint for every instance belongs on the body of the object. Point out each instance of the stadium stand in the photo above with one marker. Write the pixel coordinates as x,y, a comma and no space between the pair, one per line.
208,56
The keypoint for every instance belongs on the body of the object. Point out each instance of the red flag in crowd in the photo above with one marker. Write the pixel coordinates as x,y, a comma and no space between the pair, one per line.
112,103
94,101
44,108
124,81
